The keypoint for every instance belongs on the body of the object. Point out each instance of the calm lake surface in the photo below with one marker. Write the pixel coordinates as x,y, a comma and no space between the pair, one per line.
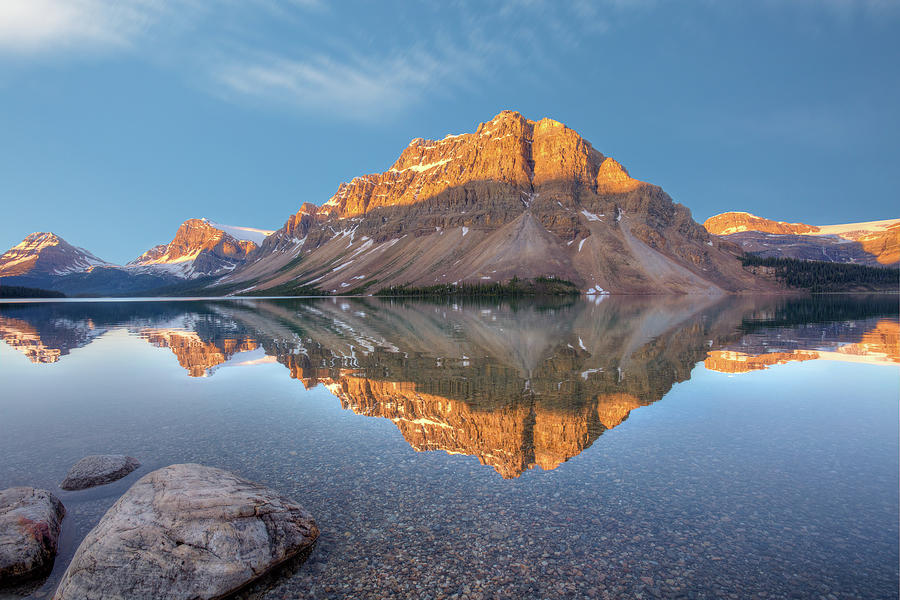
630,447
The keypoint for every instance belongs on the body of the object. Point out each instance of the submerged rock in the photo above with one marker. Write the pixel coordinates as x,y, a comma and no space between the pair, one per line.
187,531
29,531
98,469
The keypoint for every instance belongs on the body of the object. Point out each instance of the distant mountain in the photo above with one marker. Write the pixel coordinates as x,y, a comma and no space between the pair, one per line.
45,254
516,198
875,243
202,248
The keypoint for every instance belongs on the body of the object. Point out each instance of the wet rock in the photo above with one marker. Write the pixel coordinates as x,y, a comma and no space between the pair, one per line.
187,531
29,532
98,469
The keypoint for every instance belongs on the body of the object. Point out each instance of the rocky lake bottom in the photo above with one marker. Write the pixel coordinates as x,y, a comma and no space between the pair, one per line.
625,447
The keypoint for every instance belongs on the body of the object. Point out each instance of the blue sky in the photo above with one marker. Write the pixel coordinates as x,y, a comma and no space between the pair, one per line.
120,120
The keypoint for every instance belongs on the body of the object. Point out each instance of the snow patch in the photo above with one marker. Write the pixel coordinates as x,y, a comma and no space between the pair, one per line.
589,372
597,290
421,168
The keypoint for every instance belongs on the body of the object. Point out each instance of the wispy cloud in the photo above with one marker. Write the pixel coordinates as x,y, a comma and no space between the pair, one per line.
312,56
349,86
356,89
43,26
432,50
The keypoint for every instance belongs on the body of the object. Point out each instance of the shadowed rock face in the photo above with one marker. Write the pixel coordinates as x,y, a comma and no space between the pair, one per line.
516,198
200,532
29,532
516,385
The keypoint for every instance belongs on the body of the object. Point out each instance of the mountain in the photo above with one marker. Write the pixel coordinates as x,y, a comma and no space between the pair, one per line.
46,261
44,254
516,198
202,248
875,243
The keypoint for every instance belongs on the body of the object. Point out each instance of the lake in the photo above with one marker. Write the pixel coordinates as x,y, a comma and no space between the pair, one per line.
683,447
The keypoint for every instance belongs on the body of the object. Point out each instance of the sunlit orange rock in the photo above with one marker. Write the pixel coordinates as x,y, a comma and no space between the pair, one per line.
26,339
885,245
194,354
735,222
198,248
727,361
511,438
883,340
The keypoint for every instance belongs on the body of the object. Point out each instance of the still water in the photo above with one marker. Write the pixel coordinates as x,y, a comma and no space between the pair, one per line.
634,447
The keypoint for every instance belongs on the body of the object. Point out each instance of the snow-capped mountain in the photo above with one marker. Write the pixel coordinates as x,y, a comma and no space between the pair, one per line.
45,254
202,248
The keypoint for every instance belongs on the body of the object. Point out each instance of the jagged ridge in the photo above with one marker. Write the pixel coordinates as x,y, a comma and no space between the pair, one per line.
198,248
516,198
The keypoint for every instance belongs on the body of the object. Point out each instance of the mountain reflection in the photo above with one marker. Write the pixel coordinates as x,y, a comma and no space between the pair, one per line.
516,385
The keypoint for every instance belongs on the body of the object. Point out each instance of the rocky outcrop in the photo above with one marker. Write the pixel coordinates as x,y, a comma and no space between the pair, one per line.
516,198
735,222
98,469
875,243
44,254
187,532
198,249
29,531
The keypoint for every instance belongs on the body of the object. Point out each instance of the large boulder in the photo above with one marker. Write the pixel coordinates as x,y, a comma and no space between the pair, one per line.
187,531
98,469
29,532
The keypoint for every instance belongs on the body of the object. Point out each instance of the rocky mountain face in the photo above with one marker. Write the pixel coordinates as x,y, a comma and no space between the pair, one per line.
44,254
516,198
875,243
198,249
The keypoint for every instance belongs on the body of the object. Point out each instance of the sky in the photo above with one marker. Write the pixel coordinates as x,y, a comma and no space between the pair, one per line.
119,120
